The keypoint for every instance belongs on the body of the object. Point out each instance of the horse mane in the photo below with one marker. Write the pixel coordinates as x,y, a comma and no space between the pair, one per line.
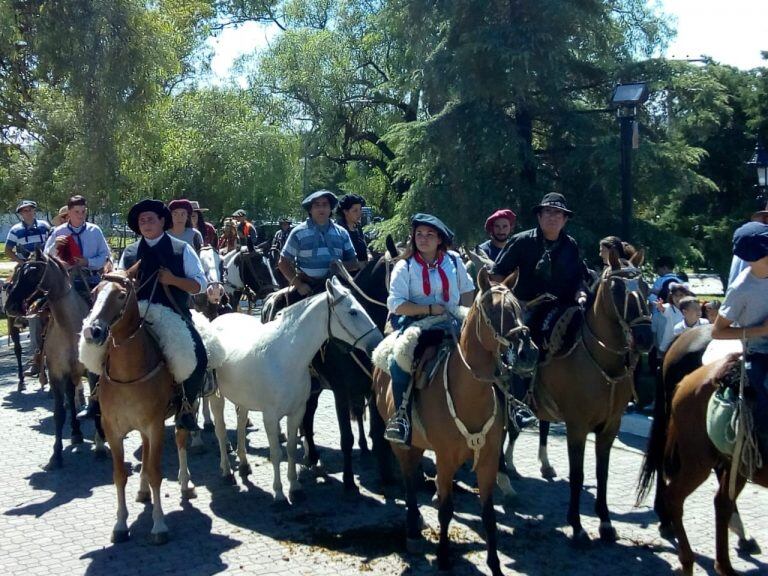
293,312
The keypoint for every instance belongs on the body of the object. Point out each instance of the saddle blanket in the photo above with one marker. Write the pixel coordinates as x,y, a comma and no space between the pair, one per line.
172,335
718,349
402,346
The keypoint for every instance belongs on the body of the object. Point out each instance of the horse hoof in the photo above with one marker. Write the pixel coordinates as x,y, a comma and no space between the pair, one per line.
159,538
209,427
229,479
415,545
100,454
297,496
144,496
244,470
76,439
21,387
188,493
548,472
666,531
608,534
580,539
54,463
280,505
119,536
749,547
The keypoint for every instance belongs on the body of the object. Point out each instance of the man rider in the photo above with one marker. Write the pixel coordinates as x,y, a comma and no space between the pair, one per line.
281,236
23,239
81,245
499,227
245,230
312,245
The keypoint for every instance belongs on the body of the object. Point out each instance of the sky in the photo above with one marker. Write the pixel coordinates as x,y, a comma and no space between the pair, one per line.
732,32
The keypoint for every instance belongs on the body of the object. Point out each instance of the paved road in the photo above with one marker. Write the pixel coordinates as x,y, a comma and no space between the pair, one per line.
60,522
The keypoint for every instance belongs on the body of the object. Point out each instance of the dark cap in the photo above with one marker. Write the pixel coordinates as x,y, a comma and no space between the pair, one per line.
26,204
307,202
76,200
148,205
750,241
285,220
433,222
348,200
238,213
553,200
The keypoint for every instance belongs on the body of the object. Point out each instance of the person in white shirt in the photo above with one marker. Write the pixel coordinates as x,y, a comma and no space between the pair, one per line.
691,310
671,315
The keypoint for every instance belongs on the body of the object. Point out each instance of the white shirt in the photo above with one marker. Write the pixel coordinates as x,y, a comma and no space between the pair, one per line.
671,317
407,285
193,268
681,327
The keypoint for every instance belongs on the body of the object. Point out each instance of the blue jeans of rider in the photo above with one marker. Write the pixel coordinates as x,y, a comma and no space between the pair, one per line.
757,373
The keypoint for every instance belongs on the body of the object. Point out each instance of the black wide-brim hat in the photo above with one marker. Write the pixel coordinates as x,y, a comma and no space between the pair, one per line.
307,202
750,241
148,205
433,222
553,200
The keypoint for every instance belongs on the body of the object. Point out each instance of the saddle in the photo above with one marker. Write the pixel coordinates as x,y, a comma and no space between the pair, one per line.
433,347
555,331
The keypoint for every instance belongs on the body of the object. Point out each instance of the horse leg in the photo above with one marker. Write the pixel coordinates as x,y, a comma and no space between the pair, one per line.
381,447
295,491
509,454
217,407
486,474
187,487
151,462
688,477
603,443
506,469
272,427
14,332
446,468
362,443
242,443
311,457
576,442
724,511
207,419
99,447
59,414
119,477
76,436
196,444
547,470
747,544
341,401
144,495
409,465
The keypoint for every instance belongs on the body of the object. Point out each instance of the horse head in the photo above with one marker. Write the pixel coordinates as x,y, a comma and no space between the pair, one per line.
347,319
115,309
255,272
40,275
629,294
501,324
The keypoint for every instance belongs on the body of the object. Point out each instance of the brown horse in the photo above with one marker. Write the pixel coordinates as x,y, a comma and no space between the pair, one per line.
688,458
589,387
136,391
47,275
458,415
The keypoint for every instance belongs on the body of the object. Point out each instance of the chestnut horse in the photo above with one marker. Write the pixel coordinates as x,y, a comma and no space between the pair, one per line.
136,391
459,416
47,275
589,387
687,459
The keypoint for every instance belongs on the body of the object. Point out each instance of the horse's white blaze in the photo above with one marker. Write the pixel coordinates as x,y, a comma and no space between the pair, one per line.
233,273
101,299
267,366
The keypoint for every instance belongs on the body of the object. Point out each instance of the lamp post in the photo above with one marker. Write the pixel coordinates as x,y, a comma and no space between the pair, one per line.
759,161
625,99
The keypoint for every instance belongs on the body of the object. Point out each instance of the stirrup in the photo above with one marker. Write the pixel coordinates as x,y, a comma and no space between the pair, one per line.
398,429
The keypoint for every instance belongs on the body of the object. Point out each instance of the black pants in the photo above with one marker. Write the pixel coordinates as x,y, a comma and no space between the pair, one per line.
194,384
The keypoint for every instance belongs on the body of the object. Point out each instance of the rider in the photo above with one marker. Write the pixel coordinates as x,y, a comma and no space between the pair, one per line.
81,245
281,236
745,304
349,214
23,239
245,229
181,226
208,231
313,245
499,227
427,280
180,273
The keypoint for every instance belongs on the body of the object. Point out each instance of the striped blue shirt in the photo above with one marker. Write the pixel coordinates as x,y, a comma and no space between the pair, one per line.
26,238
312,248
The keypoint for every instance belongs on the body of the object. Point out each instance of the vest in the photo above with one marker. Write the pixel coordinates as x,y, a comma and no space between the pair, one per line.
168,253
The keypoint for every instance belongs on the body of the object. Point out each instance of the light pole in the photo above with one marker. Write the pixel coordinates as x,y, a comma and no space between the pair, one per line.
759,161
626,98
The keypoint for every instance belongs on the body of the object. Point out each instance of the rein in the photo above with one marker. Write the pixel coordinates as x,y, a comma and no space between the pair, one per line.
331,305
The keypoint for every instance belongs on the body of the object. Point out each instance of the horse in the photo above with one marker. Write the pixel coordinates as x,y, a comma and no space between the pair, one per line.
48,275
458,414
588,387
247,271
685,456
684,356
136,392
14,332
267,369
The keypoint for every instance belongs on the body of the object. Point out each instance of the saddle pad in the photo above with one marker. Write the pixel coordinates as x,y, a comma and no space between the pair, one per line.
559,333
718,349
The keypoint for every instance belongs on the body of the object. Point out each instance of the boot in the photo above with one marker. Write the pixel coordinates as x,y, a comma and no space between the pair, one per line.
187,420
398,429
34,365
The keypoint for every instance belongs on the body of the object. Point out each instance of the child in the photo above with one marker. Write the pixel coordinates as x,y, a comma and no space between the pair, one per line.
710,310
745,304
672,315
691,310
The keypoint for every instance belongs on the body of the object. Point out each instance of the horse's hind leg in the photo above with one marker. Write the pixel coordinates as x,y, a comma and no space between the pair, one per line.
688,477
724,511
217,407
576,442
381,448
362,444
59,414
187,487
509,454
747,544
603,443
341,401
242,443
15,338
207,419
446,468
409,465
293,420
151,465
144,495
486,473
272,427
311,457
76,436
547,470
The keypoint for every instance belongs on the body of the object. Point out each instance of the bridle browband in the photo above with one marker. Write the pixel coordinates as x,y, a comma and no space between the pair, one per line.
332,303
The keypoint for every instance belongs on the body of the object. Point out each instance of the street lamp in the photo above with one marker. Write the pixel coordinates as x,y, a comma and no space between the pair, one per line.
760,162
626,98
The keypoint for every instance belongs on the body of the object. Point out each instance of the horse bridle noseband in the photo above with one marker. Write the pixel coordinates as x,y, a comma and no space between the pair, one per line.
331,305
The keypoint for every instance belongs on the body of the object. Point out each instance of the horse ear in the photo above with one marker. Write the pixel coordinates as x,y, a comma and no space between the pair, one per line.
479,259
638,258
483,282
511,280
331,285
391,248
133,271
38,253
613,259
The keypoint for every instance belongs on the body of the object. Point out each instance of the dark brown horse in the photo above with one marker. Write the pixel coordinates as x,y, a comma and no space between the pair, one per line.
458,415
589,387
686,460
14,330
136,391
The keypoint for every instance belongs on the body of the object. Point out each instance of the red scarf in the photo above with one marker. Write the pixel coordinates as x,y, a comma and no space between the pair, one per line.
425,274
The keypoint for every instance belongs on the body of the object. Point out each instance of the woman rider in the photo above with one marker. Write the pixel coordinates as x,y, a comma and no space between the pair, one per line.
428,280
349,214
181,216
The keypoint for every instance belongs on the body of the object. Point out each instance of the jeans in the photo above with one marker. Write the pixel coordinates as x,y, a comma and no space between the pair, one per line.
757,371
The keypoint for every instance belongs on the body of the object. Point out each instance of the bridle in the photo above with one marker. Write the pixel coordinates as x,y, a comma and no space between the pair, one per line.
332,303
261,286
46,264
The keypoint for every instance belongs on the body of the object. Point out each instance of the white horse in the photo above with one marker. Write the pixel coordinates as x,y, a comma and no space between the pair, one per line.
267,369
246,268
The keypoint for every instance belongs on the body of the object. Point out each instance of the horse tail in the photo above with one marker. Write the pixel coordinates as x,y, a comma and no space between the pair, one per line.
653,462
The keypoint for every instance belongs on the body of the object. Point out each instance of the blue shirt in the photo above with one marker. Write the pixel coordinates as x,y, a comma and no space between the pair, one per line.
312,248
91,240
746,305
27,238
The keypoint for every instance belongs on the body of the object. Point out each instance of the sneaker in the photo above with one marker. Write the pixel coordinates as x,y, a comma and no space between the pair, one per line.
187,421
397,430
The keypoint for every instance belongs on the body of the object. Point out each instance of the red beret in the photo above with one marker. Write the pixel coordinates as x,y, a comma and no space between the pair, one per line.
506,214
181,203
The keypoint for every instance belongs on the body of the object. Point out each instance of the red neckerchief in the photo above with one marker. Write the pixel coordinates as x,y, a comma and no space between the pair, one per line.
425,273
